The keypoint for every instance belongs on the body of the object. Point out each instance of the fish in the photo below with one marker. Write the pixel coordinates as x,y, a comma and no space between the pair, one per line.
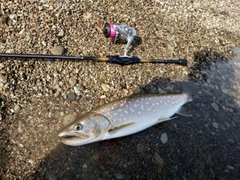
124,117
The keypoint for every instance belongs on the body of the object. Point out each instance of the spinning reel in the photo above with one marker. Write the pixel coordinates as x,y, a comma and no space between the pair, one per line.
122,32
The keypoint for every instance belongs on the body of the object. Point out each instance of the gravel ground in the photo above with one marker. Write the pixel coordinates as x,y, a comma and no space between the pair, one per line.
39,97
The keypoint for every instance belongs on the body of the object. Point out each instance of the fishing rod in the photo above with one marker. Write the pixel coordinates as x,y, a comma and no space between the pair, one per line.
114,31
123,60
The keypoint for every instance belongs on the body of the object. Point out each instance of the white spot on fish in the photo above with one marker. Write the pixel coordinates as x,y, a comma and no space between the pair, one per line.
126,112
139,112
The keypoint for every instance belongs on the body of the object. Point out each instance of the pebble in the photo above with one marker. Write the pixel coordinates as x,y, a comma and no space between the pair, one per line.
10,51
215,124
137,90
16,108
31,161
119,176
105,87
71,96
61,33
57,50
51,176
44,43
230,141
164,138
3,21
84,166
226,170
68,119
76,89
2,66
230,167
215,106
72,81
61,113
2,78
159,161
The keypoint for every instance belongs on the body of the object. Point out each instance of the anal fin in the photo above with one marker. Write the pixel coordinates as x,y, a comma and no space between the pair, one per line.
182,111
166,119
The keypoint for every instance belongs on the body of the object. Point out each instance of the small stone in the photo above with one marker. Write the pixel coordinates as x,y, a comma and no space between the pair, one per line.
76,89
159,161
61,33
87,15
125,91
51,176
44,43
3,78
3,21
11,16
105,87
119,176
71,97
230,141
140,148
16,108
137,90
57,50
84,166
164,138
215,124
95,157
215,106
103,96
10,51
61,113
226,171
227,124
97,100
2,66
230,167
72,81
68,119
31,161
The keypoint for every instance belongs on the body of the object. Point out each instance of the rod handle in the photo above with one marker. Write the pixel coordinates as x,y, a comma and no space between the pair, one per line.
123,60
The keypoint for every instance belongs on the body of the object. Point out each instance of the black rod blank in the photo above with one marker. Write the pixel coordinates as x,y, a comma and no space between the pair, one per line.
123,60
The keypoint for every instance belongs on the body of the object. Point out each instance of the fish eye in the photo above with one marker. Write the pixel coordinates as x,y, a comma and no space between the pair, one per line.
78,127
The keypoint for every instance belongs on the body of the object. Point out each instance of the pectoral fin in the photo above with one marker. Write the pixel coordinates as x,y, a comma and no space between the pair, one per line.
120,127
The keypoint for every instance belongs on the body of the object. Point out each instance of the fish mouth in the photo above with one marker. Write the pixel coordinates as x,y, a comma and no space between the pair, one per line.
66,136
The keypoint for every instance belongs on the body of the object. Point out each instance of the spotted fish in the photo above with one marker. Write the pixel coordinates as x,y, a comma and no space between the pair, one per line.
123,117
